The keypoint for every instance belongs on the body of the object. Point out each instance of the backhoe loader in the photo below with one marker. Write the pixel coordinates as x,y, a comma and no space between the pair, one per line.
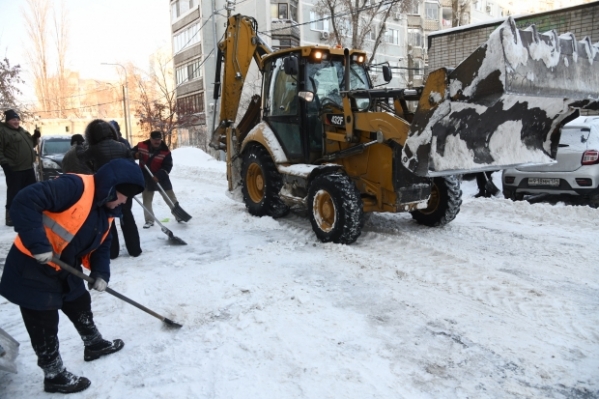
322,137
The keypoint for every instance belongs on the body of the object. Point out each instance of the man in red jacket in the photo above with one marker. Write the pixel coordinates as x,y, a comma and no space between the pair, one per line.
156,154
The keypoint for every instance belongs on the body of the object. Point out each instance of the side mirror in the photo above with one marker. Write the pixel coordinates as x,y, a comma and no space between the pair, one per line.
387,74
307,96
291,65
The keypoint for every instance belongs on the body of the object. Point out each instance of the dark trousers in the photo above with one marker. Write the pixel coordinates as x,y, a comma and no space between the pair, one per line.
15,181
481,181
130,233
42,326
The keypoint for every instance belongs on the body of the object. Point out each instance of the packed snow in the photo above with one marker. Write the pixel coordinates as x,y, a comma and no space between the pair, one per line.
501,303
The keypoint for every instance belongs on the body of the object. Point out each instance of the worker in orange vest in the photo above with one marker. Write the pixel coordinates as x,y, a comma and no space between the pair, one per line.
68,218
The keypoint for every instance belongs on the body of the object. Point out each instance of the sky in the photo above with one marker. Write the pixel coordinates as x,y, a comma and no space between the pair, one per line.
107,31
502,303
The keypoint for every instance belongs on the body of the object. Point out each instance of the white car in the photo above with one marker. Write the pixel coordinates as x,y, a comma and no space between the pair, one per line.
576,172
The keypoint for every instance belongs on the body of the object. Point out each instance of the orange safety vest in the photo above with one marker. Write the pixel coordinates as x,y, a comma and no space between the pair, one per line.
61,227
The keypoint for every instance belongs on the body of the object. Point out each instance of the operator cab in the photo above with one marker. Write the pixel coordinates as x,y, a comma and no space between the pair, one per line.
302,90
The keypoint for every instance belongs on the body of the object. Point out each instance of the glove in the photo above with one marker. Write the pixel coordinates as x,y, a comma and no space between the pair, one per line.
44,257
7,169
36,133
99,284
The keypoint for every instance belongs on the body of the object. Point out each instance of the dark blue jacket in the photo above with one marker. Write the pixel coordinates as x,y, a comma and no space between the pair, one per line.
32,285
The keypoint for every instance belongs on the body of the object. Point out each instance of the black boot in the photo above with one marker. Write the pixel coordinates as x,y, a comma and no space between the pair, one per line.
8,220
102,348
66,382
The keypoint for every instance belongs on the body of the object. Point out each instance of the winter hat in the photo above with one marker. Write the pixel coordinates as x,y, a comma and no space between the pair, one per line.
10,114
115,125
156,135
77,138
129,189
99,130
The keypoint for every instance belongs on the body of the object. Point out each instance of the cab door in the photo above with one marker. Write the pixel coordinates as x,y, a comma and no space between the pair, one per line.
282,108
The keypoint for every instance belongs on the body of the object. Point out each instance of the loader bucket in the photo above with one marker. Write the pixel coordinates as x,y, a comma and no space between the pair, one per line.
502,106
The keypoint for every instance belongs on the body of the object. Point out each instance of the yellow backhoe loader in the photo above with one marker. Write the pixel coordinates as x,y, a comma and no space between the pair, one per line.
321,136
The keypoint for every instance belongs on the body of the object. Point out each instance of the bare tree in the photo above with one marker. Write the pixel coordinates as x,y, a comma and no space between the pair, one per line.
353,21
460,12
48,60
155,98
36,23
61,92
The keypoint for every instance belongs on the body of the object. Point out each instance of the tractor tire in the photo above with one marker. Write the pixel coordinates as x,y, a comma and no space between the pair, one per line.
261,183
444,203
335,208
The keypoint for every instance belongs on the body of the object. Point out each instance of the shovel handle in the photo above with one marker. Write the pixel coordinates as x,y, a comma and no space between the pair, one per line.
160,187
130,301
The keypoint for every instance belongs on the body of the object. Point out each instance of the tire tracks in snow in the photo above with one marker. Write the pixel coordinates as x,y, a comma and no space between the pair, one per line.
429,258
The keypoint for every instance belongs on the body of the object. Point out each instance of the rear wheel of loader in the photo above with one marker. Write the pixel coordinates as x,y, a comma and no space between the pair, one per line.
335,208
444,203
261,184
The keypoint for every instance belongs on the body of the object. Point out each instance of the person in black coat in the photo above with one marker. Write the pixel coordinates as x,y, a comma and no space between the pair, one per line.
73,161
103,147
46,210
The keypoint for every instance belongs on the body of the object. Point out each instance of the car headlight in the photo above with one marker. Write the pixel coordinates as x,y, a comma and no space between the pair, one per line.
49,164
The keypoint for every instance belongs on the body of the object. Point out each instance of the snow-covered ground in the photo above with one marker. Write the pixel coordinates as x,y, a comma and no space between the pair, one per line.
501,303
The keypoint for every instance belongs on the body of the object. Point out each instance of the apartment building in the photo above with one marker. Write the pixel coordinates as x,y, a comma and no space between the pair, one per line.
198,25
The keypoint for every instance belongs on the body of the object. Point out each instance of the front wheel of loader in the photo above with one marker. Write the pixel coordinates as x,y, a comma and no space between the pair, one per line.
335,208
261,183
444,203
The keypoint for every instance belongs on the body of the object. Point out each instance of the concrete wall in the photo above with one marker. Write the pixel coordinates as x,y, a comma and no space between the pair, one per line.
449,48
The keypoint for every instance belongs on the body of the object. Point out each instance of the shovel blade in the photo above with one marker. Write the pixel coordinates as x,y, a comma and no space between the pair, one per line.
504,105
172,239
9,349
180,213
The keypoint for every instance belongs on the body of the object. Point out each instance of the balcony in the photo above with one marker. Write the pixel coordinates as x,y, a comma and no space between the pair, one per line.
415,21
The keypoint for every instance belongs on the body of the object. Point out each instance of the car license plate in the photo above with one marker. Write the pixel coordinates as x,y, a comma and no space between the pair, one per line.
543,182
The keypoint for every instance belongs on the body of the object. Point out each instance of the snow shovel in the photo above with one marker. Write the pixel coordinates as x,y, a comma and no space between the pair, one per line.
9,349
87,278
172,239
175,208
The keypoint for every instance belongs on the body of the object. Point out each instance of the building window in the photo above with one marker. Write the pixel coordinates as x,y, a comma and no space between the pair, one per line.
415,37
293,12
317,22
188,72
279,11
186,38
431,11
193,104
392,36
489,9
372,34
283,11
181,7
478,6
417,65
413,7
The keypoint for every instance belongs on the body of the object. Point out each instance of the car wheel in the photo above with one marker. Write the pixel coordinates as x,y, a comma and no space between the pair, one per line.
594,201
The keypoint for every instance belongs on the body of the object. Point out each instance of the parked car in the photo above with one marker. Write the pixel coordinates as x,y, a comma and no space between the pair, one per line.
576,172
50,151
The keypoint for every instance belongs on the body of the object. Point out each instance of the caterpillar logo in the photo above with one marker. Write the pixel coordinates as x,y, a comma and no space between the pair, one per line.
336,119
